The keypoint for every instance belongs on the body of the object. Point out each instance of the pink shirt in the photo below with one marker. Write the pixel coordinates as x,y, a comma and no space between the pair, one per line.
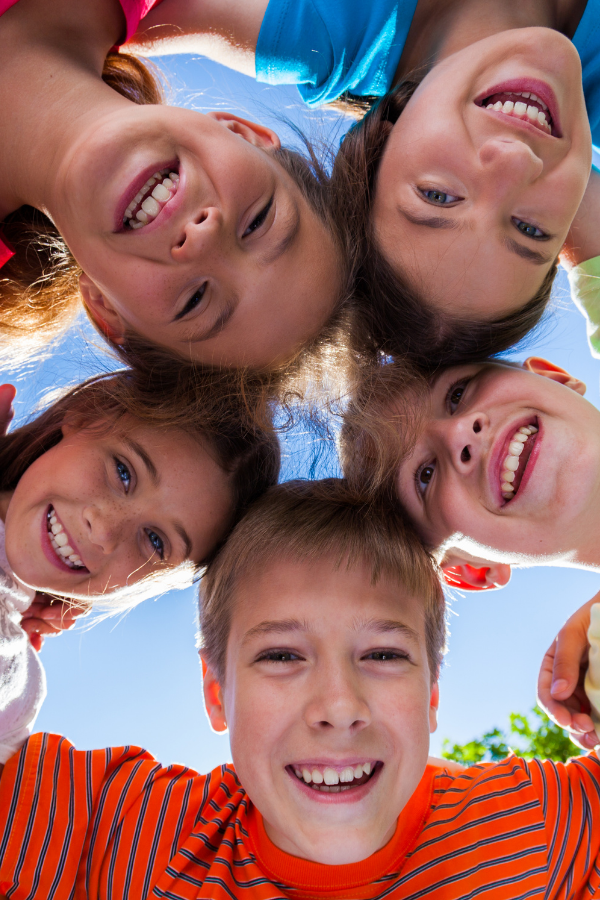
134,11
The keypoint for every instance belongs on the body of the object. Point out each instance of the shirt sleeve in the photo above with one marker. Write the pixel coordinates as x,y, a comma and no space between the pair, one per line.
330,47
65,814
585,293
569,794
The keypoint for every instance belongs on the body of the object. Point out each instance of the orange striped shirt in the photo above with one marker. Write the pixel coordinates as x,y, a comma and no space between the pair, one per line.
115,825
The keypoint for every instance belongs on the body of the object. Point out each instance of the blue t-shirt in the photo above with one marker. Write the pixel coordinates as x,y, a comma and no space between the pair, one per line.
328,47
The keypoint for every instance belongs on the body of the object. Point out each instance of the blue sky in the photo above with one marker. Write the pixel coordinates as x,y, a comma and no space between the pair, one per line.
137,680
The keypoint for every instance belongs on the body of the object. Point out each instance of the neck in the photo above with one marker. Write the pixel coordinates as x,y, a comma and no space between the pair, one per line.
443,27
50,89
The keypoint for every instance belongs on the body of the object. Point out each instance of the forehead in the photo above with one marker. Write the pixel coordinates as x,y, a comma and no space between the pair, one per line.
325,594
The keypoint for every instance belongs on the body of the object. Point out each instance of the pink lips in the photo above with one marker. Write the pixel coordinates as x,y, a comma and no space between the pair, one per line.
534,86
136,186
354,795
501,451
51,555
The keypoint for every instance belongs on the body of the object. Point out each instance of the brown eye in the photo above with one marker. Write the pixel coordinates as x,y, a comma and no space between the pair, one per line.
425,475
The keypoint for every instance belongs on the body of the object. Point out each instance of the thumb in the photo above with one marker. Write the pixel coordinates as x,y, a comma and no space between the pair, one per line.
570,650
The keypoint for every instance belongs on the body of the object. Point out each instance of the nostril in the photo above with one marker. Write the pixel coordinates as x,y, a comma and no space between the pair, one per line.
465,454
201,218
476,427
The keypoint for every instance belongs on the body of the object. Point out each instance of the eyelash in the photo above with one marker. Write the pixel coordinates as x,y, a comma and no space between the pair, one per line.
259,220
275,656
193,302
461,383
424,192
542,236
391,655
156,543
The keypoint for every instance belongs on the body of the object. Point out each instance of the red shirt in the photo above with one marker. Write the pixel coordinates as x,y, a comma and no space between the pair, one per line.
115,825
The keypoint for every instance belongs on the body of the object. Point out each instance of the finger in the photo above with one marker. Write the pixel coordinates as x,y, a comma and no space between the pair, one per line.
570,647
39,626
557,711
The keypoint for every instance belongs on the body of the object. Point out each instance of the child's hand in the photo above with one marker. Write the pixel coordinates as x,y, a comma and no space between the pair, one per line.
49,616
560,686
7,395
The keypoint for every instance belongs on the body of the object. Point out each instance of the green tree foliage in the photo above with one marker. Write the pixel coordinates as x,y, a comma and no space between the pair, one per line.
527,737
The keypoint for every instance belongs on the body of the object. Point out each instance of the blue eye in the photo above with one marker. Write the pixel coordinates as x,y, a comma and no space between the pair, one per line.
440,198
156,543
123,473
530,231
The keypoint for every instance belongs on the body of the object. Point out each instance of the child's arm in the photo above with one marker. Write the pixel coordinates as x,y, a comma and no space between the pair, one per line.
563,682
581,257
223,30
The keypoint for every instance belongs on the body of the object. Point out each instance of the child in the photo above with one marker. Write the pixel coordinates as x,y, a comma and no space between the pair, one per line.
322,633
497,465
107,499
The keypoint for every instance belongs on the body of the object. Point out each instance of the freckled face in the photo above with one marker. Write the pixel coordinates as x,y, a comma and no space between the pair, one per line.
126,502
326,672
472,203
451,484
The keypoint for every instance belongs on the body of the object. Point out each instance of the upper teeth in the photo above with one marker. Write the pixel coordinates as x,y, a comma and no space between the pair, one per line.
523,110
511,463
327,777
60,542
151,198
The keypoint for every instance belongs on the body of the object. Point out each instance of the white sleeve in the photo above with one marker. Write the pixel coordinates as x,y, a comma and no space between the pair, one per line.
22,681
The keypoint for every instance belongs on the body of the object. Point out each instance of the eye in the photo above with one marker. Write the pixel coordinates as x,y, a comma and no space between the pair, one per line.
193,302
423,476
385,655
455,395
440,198
259,220
156,542
123,474
530,231
278,656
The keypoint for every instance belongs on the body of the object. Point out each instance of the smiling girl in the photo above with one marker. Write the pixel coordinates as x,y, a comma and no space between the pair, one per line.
195,232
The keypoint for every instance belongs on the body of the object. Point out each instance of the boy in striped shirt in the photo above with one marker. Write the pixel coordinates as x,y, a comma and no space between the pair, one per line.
323,627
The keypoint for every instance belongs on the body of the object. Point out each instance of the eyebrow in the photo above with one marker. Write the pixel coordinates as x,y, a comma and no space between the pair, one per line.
185,538
276,626
385,626
139,451
283,626
289,236
430,221
533,256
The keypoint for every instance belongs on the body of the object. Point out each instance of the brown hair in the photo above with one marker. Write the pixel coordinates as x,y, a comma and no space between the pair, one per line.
306,520
249,454
39,285
392,316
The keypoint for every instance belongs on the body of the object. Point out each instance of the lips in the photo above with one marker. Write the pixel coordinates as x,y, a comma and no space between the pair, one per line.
140,185
521,465
335,782
53,543
520,86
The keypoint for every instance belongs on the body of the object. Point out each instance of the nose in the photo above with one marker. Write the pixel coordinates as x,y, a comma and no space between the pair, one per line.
104,527
463,437
337,701
507,163
203,233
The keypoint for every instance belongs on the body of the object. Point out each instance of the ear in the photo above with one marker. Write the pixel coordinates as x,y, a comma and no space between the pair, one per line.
434,702
106,319
213,700
540,366
472,577
255,134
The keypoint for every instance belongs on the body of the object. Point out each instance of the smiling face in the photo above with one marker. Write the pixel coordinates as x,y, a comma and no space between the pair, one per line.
125,503
454,484
221,258
329,701
479,182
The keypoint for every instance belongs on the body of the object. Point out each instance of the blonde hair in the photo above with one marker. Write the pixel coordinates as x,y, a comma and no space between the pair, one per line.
247,453
307,520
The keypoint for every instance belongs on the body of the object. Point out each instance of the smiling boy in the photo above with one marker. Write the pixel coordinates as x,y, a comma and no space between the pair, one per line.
323,626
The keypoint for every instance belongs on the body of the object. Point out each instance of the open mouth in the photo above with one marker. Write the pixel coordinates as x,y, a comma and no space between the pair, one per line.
529,100
150,199
515,462
60,542
329,780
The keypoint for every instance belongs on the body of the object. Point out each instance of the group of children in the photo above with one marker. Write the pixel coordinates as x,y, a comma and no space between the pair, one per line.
219,266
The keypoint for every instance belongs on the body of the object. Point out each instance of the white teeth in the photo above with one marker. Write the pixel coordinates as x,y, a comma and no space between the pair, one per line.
508,476
532,113
138,197
507,486
66,551
497,106
366,768
142,216
133,224
167,183
56,527
358,771
511,462
346,774
307,776
519,436
520,109
508,106
317,778
330,776
61,539
75,559
525,94
515,448
161,193
151,207
541,117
